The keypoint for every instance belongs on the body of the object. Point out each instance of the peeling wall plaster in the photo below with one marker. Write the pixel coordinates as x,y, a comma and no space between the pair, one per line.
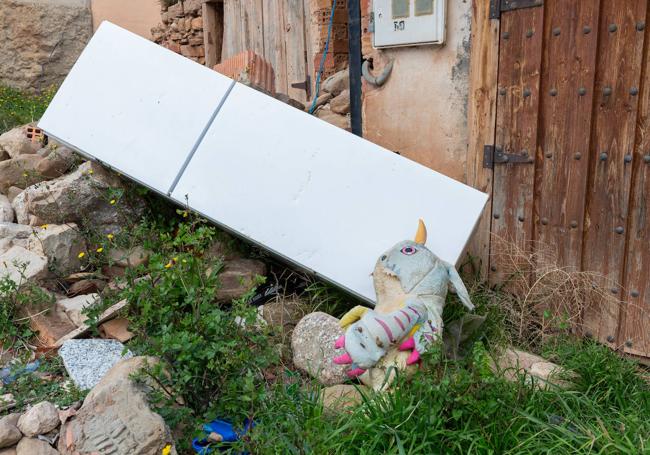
421,112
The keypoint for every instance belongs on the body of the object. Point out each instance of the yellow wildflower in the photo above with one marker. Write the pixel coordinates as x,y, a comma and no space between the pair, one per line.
167,449
169,265
110,236
91,172
81,255
44,226
113,201
100,249
25,174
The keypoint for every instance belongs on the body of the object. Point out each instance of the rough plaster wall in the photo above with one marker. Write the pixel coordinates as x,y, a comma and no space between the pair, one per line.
41,40
421,112
137,16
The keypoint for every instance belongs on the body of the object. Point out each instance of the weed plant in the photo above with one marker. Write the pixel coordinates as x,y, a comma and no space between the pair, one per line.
18,108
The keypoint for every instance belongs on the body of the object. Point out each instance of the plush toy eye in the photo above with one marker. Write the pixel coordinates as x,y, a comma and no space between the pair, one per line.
409,250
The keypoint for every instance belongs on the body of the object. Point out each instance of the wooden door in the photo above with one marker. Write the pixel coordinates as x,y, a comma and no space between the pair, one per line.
569,165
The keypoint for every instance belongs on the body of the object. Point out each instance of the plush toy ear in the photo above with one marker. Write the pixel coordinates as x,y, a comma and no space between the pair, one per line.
421,235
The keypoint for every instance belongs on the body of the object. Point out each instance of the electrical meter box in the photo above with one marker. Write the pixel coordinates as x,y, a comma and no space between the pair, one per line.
408,22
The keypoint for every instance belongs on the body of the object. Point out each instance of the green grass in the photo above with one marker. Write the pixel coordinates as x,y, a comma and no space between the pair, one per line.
18,108
461,408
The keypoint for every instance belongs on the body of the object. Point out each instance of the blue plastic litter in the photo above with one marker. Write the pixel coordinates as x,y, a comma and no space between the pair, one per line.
227,432
9,375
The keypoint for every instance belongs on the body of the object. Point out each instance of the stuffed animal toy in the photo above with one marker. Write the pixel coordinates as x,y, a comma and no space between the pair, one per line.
411,284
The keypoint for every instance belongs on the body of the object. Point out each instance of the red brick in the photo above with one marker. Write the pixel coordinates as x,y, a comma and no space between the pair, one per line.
249,67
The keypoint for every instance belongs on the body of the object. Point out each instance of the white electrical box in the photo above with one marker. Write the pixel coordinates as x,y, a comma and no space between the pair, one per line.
408,22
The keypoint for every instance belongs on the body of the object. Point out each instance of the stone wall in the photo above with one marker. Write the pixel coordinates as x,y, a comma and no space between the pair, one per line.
41,40
182,30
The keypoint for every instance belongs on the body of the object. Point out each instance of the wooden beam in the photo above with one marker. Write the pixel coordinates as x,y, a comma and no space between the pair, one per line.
212,32
484,63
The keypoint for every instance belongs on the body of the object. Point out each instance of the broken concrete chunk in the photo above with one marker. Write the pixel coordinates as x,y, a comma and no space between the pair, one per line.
74,307
61,244
87,361
39,419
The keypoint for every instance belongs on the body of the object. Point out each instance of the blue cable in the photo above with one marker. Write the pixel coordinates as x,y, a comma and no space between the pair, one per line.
322,60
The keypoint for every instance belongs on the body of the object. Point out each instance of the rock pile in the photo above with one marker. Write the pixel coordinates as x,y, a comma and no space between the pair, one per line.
333,103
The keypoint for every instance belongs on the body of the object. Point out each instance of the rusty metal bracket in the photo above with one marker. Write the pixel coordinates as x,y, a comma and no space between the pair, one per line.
494,155
501,6
304,85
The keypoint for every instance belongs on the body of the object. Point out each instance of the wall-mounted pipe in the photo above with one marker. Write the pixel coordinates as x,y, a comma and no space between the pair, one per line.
354,34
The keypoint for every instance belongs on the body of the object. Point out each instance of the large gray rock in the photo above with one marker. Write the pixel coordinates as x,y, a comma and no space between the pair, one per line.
79,197
337,82
313,348
60,244
41,40
33,446
9,433
116,418
39,419
22,265
15,142
88,361
20,172
6,210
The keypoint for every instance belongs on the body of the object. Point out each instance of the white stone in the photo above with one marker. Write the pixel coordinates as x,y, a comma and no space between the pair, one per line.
74,307
22,265
39,419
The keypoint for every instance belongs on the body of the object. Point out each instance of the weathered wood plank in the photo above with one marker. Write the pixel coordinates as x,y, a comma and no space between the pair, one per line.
233,42
212,32
613,131
516,133
296,46
275,42
568,64
635,326
252,20
483,72
309,44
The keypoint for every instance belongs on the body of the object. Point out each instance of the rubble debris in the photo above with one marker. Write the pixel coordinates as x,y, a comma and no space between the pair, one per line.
105,316
74,307
87,361
238,277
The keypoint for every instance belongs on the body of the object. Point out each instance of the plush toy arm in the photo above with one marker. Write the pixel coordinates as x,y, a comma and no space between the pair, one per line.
456,281
352,316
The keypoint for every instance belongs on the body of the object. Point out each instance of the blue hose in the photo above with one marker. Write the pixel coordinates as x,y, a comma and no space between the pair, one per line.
322,60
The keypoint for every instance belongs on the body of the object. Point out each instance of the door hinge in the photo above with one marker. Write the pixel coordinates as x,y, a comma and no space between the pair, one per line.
304,85
495,155
501,6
